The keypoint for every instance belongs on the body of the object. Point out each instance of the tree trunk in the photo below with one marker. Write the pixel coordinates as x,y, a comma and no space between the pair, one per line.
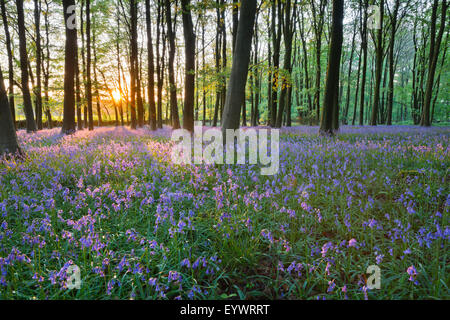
378,68
160,61
133,59
88,65
305,62
318,17
28,107
38,88
8,138
78,92
151,68
97,94
10,61
390,100
68,126
330,111
172,84
189,82
364,67
347,105
204,68
46,67
355,106
288,36
276,42
239,70
257,80
433,57
235,21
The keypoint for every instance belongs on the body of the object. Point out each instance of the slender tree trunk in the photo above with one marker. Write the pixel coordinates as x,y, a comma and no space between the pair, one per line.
151,68
10,62
438,81
160,61
239,70
378,68
224,59
364,67
46,67
88,65
390,100
204,77
286,83
235,21
330,111
28,107
78,93
38,88
305,61
218,44
355,106
433,57
256,77
189,83
347,105
68,126
8,138
96,92
139,100
318,17
172,84
276,42
133,64
83,61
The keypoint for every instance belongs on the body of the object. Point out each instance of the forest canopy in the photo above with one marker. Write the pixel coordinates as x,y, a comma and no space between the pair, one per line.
384,66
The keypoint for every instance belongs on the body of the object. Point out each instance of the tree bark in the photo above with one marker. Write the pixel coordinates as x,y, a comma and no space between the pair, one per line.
287,67
433,57
239,70
8,138
10,61
133,64
189,82
160,61
332,81
378,67
38,88
151,68
46,67
88,65
68,126
276,43
28,107
172,84
96,92
364,66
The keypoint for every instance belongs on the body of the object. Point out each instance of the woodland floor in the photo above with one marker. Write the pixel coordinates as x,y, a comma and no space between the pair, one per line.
111,202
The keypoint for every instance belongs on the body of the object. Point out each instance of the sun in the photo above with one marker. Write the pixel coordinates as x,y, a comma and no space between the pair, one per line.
116,95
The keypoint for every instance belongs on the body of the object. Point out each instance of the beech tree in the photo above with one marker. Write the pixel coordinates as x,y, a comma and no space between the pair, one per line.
151,68
378,66
435,44
8,138
88,66
239,69
172,83
68,126
27,104
189,82
330,107
10,60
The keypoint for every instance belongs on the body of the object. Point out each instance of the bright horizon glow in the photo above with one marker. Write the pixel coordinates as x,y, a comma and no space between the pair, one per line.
116,95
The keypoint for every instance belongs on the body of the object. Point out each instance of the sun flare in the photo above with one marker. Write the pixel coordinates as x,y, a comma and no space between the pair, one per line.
116,95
